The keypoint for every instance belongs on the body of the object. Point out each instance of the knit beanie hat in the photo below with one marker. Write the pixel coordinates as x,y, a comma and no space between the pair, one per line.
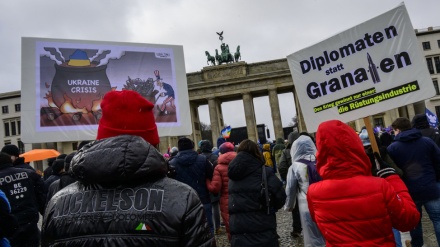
206,146
226,147
11,149
185,144
50,161
127,113
420,121
57,166
293,136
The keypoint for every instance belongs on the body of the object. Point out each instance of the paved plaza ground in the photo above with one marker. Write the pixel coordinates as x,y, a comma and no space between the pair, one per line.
284,222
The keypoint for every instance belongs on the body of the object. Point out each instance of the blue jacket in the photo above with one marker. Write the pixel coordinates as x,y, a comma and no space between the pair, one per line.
5,210
419,158
193,169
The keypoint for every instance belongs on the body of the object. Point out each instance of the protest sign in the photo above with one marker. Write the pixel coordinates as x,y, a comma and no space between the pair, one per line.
373,67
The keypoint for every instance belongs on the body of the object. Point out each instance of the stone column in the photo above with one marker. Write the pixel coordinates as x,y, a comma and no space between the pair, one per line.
60,147
195,122
402,111
249,114
214,117
275,112
300,119
411,111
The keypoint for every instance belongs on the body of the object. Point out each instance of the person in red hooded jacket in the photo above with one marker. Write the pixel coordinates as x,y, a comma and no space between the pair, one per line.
350,206
220,179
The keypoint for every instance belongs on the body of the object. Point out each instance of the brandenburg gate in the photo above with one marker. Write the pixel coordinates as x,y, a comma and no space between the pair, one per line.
214,85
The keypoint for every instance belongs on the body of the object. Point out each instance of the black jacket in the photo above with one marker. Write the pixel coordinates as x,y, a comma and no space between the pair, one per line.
48,182
193,169
24,189
249,222
64,180
123,198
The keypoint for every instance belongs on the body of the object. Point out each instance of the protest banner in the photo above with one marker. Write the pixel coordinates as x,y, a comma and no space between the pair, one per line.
373,67
64,81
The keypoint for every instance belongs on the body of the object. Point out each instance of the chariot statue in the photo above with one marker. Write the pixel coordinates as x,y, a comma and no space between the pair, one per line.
225,56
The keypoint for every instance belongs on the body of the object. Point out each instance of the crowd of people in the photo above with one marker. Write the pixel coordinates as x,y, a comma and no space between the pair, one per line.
119,190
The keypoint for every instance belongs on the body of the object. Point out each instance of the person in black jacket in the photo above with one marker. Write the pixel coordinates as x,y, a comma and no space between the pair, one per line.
24,190
57,169
123,197
193,169
249,220
206,148
66,178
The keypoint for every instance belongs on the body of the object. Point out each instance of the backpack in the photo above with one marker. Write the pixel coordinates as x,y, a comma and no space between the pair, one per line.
312,173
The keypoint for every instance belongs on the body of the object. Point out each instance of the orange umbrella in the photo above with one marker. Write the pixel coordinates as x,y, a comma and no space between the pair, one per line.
39,154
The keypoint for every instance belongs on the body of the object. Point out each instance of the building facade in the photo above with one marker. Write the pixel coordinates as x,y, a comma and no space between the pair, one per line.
430,42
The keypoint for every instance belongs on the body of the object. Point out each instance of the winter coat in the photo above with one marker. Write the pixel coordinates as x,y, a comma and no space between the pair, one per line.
302,148
123,198
47,173
277,150
193,169
286,159
419,158
220,182
351,207
248,219
48,182
24,189
8,222
64,180
267,156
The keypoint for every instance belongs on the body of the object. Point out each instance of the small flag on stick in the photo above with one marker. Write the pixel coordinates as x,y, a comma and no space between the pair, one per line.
432,118
226,132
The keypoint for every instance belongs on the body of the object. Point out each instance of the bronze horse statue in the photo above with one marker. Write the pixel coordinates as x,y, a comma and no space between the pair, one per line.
237,54
210,58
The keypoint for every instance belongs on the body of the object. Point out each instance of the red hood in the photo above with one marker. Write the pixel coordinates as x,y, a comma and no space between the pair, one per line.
340,152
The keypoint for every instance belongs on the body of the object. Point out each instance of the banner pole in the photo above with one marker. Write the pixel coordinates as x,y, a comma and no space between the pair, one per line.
371,134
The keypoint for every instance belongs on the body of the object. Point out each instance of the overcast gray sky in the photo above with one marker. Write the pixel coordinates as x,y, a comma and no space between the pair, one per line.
265,30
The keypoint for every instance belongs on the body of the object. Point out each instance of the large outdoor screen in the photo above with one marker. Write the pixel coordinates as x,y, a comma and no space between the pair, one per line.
64,81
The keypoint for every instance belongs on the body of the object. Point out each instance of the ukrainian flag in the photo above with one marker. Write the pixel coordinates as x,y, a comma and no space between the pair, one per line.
79,58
